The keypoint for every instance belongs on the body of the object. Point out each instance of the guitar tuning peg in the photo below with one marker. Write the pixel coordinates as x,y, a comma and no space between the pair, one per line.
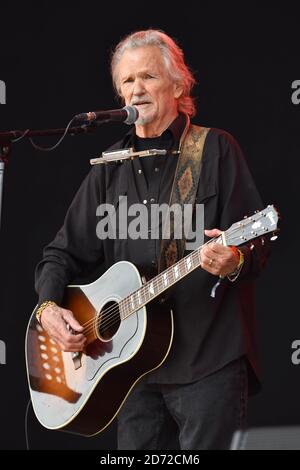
252,246
245,216
274,237
262,241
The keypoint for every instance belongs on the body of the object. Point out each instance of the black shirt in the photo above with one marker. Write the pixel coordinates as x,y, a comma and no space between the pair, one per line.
208,332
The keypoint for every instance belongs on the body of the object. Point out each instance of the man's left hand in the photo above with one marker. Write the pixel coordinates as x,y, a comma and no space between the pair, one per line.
218,259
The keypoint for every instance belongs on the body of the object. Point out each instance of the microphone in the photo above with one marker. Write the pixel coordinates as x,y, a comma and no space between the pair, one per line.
128,114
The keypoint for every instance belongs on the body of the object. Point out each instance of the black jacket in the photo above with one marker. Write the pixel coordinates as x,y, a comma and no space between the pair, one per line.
209,332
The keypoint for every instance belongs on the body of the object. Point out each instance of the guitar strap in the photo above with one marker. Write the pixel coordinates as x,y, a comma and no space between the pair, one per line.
183,192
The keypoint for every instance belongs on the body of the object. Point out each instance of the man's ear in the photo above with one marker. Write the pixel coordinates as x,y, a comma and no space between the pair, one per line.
178,90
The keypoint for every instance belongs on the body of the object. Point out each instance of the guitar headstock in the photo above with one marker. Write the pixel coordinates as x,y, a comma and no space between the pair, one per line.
257,225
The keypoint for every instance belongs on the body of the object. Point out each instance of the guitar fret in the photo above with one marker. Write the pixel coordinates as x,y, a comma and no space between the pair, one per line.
144,295
198,254
122,309
151,289
195,260
189,263
182,268
172,275
176,271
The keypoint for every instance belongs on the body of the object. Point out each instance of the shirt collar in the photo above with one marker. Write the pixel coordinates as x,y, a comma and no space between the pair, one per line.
176,129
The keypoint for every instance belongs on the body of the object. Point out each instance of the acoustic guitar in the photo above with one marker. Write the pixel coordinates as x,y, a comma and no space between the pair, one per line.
129,333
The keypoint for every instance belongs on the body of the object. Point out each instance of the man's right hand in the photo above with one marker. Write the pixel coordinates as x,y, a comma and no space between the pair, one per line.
55,321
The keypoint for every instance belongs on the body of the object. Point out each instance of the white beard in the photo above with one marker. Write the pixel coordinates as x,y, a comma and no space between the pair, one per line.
145,119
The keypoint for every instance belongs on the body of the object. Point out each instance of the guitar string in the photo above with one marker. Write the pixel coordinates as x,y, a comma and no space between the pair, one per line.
112,314
114,311
127,309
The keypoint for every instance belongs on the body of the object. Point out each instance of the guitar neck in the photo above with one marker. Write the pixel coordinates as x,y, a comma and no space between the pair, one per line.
252,227
159,284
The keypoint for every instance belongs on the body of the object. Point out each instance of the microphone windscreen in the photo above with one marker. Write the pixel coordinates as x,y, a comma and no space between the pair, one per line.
132,114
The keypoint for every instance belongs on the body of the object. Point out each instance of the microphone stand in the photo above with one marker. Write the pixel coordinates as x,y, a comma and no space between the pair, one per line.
8,138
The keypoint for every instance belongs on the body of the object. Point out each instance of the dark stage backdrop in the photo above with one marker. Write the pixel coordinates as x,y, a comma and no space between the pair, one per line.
54,63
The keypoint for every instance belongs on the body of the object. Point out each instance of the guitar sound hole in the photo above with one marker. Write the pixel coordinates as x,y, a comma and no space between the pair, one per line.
109,320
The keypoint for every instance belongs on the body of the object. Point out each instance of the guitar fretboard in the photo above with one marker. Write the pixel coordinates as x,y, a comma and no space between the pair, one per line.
160,283
258,224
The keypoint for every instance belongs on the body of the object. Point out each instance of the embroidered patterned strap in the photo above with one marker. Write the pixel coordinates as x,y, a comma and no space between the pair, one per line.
183,192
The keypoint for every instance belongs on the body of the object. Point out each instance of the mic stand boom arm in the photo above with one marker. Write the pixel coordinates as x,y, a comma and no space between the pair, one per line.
9,137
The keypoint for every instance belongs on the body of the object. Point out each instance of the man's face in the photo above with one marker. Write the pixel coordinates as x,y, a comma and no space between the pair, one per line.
145,83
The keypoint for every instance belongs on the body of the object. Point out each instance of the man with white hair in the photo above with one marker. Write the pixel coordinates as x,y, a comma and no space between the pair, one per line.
203,383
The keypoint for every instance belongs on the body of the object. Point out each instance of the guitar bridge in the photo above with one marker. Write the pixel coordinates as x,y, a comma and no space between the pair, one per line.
76,358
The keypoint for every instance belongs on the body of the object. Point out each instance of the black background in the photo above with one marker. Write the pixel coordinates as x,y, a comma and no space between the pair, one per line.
54,59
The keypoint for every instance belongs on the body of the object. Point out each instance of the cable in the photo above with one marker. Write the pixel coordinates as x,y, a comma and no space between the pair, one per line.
48,149
21,137
26,424
45,149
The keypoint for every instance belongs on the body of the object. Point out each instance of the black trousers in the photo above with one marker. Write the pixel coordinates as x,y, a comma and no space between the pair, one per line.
196,416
